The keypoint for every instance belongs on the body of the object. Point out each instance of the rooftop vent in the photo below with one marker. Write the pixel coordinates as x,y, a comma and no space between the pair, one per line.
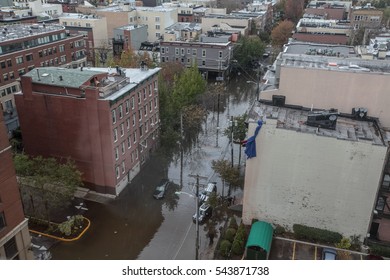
323,119
359,113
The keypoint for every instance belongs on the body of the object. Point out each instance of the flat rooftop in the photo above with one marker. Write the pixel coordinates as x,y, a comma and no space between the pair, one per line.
75,78
330,57
79,16
17,31
295,119
70,78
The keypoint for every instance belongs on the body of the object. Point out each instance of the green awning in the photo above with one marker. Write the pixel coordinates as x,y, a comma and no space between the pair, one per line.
260,236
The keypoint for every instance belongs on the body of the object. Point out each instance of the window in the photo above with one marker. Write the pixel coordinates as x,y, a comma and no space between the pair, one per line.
127,106
21,72
117,172
140,114
113,116
123,167
115,135
128,123
139,97
120,111
116,153
29,57
158,35
163,50
144,93
134,116
122,129
146,126
167,49
123,148
135,137
150,106
132,102
188,51
194,52
5,77
176,51
129,142
9,63
61,48
220,54
132,157
11,75
155,102
150,89
11,249
203,53
182,51
146,109
157,27
2,221
203,62
157,19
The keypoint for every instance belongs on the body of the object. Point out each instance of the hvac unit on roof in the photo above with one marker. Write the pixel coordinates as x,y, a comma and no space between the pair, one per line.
323,119
359,113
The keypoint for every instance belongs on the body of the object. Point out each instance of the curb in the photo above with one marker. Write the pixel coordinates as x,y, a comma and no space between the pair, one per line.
64,239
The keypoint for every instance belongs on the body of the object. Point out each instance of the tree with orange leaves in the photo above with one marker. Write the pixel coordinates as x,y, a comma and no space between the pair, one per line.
281,33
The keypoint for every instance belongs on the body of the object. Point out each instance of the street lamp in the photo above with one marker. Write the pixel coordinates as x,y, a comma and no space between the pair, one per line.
196,220
233,123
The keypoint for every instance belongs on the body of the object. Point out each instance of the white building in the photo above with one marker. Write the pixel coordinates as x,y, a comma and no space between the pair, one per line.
317,177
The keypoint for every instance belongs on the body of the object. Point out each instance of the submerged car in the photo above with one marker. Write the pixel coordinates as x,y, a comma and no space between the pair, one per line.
204,196
205,212
161,189
329,254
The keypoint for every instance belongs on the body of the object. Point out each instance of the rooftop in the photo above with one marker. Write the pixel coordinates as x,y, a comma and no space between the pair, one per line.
330,57
131,27
79,16
110,88
17,31
70,78
185,26
347,128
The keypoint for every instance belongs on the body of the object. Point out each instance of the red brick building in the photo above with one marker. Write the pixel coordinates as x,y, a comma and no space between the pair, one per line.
106,120
23,47
14,235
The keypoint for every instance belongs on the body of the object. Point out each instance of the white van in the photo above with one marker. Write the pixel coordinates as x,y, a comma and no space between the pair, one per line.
204,196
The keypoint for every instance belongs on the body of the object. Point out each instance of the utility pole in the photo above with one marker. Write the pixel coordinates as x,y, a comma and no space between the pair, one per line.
216,145
231,137
181,150
197,214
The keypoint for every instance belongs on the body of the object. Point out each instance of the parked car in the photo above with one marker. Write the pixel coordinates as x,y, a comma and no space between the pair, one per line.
204,196
205,211
329,254
161,189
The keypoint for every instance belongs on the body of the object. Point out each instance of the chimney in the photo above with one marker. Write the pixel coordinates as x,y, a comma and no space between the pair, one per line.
39,78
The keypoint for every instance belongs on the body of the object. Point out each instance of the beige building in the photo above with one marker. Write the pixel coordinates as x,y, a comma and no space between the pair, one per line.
157,19
97,23
310,176
325,76
366,18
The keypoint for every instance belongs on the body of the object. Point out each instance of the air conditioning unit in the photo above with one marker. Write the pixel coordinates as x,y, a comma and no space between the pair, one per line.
278,100
323,119
359,113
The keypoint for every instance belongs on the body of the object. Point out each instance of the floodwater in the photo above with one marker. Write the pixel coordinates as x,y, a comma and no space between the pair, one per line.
135,225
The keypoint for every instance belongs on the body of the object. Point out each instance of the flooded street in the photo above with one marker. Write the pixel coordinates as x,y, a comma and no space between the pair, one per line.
135,225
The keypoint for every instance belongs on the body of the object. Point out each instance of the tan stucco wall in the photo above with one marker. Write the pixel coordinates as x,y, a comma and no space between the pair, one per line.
343,90
312,180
